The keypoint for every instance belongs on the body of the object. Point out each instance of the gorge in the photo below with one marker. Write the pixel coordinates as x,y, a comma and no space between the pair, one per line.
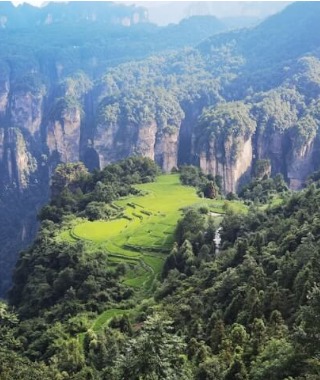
223,104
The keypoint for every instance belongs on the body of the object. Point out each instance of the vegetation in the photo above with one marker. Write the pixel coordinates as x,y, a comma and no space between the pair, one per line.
264,190
126,278
86,306
83,276
208,186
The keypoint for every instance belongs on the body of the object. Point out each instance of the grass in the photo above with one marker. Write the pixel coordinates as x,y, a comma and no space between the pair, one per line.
105,317
99,230
147,228
276,200
140,238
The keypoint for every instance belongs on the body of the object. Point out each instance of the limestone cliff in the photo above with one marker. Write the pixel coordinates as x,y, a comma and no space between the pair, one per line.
26,112
272,146
4,88
21,163
166,150
114,142
63,135
219,159
302,159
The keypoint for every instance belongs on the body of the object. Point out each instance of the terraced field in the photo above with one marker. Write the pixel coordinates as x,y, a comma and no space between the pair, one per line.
143,235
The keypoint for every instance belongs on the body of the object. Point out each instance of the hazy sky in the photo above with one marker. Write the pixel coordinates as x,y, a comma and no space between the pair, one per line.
162,12
165,12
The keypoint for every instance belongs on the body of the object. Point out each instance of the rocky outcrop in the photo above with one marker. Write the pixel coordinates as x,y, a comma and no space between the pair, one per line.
294,160
113,142
166,149
301,162
145,143
221,159
29,132
4,89
272,146
19,161
63,135
26,112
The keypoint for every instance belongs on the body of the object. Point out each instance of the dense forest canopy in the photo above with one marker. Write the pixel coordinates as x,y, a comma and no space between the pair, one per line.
209,271
53,62
247,310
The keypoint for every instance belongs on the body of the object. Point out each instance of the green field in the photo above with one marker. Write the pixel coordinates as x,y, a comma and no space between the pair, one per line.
105,317
99,230
144,234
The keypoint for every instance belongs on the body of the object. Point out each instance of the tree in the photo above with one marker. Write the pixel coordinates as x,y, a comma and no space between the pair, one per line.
276,361
156,353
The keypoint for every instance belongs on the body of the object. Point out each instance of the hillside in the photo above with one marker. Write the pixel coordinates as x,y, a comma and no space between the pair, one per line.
88,91
50,79
104,237
105,293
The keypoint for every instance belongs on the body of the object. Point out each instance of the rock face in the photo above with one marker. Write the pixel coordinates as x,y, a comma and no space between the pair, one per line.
26,112
113,142
219,159
33,137
36,136
301,162
272,146
294,162
58,105
63,136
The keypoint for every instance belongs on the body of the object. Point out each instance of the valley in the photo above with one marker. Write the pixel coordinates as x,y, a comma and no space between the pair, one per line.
159,194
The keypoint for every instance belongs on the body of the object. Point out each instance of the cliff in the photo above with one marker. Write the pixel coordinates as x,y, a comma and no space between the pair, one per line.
67,95
52,88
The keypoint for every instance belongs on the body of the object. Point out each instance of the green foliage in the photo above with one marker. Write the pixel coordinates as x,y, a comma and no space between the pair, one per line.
99,210
255,305
247,311
261,168
206,184
276,360
74,190
80,270
227,124
156,353
230,119
264,190
278,109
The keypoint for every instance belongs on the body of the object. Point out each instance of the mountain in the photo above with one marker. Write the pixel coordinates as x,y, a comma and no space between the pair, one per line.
145,266
109,13
49,87
100,92
113,287
164,13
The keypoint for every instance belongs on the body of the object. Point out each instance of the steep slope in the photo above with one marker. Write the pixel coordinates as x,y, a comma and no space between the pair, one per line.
85,304
236,98
49,59
282,66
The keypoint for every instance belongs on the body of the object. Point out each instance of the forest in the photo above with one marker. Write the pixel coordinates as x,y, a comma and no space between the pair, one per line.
175,177
244,310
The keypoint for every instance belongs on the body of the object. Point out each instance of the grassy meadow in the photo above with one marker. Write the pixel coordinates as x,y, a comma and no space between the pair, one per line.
144,233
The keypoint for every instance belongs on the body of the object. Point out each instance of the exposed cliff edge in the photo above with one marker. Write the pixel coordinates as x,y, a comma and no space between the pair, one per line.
52,93
56,123
64,97
226,140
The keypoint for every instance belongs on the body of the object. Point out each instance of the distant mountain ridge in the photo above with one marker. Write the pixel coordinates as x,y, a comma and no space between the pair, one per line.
27,16
47,72
100,92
